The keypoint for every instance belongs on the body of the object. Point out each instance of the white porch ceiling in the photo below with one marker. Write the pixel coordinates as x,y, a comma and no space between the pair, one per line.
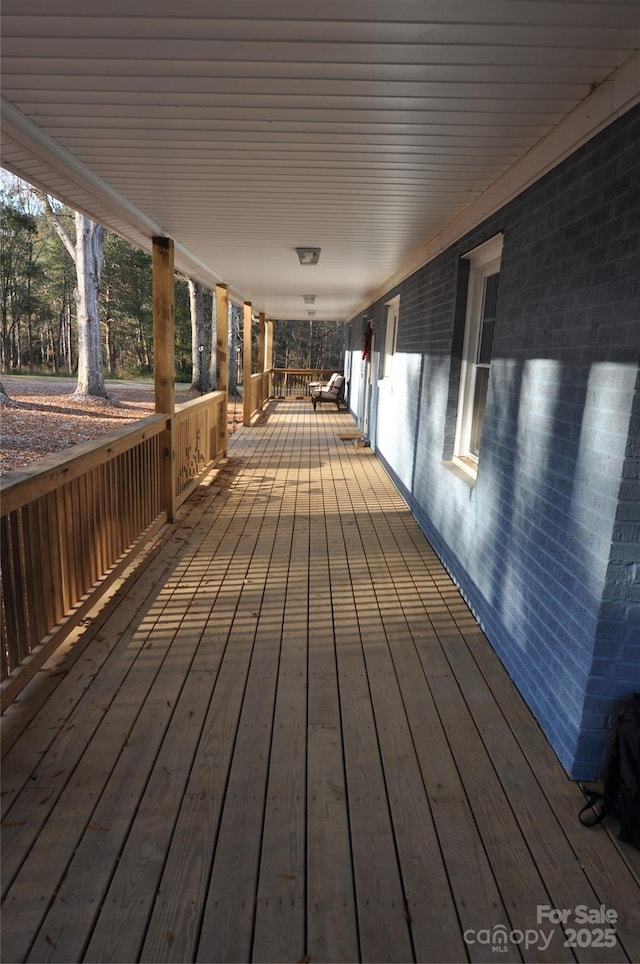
246,128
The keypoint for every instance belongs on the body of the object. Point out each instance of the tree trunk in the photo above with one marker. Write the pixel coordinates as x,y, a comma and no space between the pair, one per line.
66,347
109,341
196,302
233,346
213,364
144,355
112,350
89,253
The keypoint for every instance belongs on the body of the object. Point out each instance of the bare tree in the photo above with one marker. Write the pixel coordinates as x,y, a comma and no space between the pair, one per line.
234,312
213,364
196,301
87,255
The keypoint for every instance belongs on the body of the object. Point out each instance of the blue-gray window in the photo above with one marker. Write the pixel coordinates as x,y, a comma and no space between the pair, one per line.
482,299
483,360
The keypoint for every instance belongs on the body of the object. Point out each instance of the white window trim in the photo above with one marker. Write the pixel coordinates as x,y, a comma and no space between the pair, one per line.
391,336
484,261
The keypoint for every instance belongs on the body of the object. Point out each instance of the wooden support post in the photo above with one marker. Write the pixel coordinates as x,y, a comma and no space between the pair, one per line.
164,361
222,353
268,356
261,341
246,367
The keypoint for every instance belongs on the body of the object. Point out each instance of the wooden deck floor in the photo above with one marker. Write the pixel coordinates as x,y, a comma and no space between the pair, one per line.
286,739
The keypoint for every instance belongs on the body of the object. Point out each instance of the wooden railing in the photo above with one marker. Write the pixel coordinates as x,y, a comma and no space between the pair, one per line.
199,439
280,383
294,382
72,522
259,393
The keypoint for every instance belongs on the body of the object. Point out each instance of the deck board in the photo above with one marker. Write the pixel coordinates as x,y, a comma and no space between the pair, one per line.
284,737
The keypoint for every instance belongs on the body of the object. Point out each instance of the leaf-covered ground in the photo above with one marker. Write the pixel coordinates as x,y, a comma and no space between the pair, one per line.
44,416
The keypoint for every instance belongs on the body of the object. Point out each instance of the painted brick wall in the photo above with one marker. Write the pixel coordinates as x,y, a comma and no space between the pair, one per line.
617,646
546,545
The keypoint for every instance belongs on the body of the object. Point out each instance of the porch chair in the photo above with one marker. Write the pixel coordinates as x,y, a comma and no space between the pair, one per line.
329,392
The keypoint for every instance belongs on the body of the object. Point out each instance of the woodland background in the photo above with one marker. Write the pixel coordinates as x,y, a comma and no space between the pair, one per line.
39,331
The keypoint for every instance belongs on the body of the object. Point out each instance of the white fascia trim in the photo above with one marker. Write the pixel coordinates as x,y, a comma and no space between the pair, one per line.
18,127
613,98
488,251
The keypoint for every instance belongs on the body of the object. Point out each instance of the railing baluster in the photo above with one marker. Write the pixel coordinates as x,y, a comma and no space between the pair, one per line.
69,520
65,522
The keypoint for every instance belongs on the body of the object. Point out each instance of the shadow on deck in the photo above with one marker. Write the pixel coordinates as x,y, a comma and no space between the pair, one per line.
285,738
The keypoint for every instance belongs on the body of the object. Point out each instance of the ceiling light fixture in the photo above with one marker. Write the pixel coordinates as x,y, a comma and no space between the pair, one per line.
308,255
309,299
311,314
